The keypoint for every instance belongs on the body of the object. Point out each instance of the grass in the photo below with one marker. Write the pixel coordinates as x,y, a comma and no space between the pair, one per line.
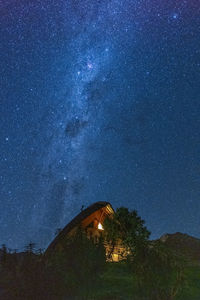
192,289
117,283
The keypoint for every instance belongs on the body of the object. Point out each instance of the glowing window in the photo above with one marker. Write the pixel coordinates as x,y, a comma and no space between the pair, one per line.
100,227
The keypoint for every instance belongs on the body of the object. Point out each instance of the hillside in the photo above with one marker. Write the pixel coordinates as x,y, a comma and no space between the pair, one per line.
183,244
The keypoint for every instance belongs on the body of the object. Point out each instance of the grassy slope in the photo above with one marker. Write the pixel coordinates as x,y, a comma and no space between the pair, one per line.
115,284
192,289
118,284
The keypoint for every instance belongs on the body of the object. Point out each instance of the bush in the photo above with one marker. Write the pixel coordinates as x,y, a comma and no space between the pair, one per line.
159,272
79,263
71,272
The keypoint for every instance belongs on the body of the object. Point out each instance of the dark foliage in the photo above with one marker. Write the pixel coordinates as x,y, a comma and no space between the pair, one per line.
69,272
128,228
78,262
159,273
74,268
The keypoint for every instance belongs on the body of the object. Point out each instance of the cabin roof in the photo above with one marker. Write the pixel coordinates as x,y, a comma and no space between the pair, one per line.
76,221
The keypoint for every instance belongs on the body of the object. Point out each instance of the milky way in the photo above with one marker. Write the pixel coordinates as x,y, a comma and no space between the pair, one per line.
99,102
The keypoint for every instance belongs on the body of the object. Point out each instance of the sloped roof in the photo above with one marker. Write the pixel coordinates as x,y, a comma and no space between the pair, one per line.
76,221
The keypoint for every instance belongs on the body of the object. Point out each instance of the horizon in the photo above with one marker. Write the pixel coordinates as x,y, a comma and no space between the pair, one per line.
22,249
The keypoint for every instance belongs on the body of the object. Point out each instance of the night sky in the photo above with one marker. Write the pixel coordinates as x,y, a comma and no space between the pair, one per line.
100,101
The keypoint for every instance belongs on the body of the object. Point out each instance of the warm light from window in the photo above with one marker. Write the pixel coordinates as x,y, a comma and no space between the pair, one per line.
100,227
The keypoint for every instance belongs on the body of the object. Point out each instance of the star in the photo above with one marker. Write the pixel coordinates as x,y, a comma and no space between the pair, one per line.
175,16
103,101
90,65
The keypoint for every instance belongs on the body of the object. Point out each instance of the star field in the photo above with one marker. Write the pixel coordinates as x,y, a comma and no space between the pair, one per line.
99,102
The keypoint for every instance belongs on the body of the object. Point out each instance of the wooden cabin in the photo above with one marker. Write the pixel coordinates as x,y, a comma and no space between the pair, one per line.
92,220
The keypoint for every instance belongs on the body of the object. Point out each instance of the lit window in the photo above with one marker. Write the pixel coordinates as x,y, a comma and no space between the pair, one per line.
100,227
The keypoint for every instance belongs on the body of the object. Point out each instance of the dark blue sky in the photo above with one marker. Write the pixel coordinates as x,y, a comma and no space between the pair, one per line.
100,101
